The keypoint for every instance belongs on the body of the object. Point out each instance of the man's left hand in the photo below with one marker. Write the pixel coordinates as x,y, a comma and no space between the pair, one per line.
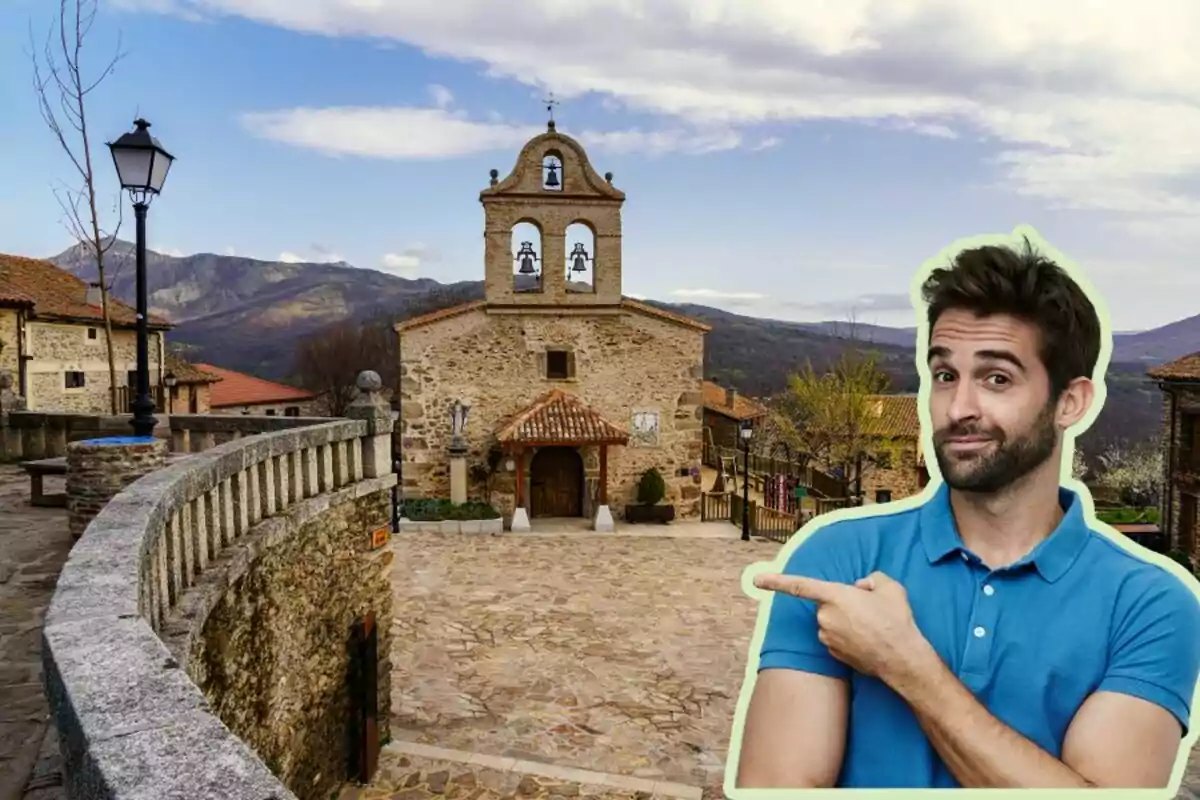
868,625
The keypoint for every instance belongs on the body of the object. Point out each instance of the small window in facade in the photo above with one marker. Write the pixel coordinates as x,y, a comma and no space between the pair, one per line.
291,411
883,459
883,496
91,334
74,380
559,365
270,412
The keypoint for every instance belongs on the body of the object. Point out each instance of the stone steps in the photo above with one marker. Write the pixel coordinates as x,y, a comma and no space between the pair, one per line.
411,771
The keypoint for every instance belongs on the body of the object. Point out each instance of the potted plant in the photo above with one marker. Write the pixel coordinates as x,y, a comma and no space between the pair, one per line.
650,492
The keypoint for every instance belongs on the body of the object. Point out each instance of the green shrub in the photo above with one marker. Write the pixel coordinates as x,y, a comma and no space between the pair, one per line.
651,488
438,509
1128,515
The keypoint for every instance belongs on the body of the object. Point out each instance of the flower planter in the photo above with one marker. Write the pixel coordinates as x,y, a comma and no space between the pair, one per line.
455,526
661,514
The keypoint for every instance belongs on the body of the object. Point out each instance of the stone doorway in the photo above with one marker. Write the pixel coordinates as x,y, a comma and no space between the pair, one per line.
556,483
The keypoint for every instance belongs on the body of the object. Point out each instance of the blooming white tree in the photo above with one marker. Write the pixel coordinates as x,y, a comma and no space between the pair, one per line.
1136,473
1079,467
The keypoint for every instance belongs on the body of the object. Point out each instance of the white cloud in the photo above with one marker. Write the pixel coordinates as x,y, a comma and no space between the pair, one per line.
291,258
1089,105
316,255
716,294
435,133
174,252
442,97
402,264
230,251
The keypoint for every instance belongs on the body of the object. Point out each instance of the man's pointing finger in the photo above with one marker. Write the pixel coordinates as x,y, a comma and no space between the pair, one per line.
805,588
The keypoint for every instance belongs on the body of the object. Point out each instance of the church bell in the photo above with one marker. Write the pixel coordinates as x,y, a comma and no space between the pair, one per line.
552,176
579,255
527,256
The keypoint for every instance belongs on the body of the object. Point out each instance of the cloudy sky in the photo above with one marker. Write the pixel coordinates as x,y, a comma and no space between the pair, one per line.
787,158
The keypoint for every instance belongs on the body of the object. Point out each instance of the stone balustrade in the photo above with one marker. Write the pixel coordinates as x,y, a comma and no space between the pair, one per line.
125,655
29,435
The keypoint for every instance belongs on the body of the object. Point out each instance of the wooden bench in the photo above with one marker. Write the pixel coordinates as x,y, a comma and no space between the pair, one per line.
37,471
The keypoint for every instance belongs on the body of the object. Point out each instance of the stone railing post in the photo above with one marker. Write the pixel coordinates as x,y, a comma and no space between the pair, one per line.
371,407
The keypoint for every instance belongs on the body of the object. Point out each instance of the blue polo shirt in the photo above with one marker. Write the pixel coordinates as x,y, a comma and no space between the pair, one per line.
1032,641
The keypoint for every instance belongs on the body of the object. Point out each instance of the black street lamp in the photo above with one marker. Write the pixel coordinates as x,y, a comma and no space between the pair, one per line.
397,466
142,166
746,432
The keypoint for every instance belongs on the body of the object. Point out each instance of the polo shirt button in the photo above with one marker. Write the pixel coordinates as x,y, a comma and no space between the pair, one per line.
988,590
980,633
965,557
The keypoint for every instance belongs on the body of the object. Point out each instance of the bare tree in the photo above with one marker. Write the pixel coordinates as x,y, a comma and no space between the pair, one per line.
62,88
328,361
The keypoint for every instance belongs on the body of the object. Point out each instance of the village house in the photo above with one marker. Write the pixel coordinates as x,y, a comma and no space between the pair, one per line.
1180,385
52,340
239,393
724,412
581,388
896,468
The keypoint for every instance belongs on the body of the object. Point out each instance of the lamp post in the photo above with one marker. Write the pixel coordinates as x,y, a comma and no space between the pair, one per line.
746,432
142,166
170,381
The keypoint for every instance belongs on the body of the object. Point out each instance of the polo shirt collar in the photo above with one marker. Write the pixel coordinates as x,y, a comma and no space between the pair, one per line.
1053,556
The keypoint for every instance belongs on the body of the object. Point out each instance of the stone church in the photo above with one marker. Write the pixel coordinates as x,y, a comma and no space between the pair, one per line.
577,389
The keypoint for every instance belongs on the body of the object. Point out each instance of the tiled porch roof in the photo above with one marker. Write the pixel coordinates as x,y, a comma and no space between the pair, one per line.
559,418
1181,369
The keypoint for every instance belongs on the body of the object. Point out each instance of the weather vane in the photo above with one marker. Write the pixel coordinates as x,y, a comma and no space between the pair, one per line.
550,104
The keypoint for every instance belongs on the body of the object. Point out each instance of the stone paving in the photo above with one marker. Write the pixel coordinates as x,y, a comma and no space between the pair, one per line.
34,543
618,654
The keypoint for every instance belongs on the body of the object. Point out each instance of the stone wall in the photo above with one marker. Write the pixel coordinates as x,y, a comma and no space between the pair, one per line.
902,478
305,408
272,657
147,607
56,348
9,343
623,363
181,399
1175,474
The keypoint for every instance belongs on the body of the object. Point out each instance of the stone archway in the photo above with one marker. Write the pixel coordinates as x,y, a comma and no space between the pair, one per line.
556,483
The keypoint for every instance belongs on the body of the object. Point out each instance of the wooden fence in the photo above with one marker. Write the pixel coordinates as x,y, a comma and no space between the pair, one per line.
762,467
765,522
127,394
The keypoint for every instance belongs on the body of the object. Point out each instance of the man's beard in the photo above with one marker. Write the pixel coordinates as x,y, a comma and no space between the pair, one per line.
1008,462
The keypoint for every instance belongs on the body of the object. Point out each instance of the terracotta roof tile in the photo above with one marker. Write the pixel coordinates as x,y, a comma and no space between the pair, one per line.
896,416
717,399
560,418
186,372
239,389
57,294
1181,369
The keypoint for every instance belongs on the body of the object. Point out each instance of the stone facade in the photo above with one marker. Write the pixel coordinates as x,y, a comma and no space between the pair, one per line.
899,471
189,398
292,408
623,359
623,364
58,348
10,354
274,654
98,470
1180,442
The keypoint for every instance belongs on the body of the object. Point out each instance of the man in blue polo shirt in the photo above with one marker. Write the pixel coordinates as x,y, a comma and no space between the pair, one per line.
988,637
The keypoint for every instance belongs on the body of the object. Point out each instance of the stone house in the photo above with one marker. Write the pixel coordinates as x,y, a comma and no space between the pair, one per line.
897,469
724,411
1179,382
581,388
52,339
239,393
192,392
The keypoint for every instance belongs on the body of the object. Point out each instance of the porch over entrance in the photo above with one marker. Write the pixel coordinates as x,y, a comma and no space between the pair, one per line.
552,433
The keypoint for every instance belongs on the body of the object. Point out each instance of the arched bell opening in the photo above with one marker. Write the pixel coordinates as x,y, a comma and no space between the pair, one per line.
527,257
581,258
552,174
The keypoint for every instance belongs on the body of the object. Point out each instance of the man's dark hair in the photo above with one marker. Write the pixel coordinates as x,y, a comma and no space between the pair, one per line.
1026,285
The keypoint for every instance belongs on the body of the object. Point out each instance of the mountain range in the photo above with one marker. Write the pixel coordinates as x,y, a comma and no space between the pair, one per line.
247,314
